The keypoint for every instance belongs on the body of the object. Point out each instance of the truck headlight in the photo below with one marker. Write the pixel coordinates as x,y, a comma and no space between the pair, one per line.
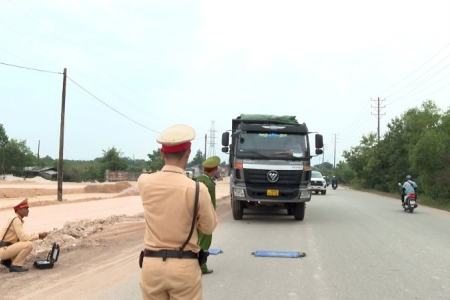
305,195
239,193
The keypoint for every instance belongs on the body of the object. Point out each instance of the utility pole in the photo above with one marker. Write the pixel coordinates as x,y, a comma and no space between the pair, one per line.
39,147
204,156
335,141
61,137
378,114
212,140
323,156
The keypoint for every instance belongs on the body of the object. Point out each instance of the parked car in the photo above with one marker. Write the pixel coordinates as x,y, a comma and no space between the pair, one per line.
318,184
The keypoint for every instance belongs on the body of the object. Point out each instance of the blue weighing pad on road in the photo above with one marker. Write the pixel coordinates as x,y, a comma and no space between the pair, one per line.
214,251
263,253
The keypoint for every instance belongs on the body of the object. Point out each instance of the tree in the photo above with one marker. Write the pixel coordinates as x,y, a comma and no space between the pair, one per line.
156,162
136,165
416,143
47,161
358,157
344,173
78,171
3,136
16,156
112,160
3,142
326,165
197,160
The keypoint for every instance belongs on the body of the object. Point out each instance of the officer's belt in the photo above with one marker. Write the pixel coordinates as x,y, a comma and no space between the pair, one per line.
170,254
4,244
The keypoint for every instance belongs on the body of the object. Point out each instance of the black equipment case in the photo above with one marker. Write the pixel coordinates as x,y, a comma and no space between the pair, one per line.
48,263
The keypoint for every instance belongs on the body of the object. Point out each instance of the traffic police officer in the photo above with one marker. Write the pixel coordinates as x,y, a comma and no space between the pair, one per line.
16,244
210,167
168,199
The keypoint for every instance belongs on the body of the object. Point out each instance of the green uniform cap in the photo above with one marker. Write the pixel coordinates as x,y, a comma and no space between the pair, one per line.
211,162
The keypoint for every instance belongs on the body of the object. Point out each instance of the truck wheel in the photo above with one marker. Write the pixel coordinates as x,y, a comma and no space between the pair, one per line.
324,192
237,208
299,211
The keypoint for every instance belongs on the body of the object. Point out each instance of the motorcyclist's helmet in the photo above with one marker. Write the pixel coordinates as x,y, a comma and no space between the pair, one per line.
334,176
408,177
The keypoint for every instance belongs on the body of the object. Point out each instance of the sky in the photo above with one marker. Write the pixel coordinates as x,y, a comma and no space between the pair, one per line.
136,67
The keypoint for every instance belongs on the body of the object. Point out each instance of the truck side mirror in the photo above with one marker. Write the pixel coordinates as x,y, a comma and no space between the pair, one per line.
319,141
225,139
319,151
225,149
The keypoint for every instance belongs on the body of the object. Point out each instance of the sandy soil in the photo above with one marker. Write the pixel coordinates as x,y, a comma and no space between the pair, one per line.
94,223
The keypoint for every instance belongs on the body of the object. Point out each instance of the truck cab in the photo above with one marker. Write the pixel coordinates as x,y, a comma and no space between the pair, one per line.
270,163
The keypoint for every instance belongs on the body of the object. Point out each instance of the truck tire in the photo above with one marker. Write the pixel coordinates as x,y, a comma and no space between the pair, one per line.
238,209
299,211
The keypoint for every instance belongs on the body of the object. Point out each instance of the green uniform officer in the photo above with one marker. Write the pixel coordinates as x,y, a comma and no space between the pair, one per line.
210,167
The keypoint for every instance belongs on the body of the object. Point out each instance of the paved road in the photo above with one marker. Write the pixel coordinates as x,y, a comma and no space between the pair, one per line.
358,246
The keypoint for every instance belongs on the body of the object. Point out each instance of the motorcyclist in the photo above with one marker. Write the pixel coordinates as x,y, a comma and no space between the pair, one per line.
334,181
409,187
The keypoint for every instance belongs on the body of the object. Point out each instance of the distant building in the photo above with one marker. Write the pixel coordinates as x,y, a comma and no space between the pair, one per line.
49,173
111,176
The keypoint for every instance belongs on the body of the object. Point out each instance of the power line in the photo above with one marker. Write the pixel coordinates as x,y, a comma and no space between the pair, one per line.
89,93
421,89
433,75
415,70
356,121
109,74
33,69
46,50
422,98
123,115
80,73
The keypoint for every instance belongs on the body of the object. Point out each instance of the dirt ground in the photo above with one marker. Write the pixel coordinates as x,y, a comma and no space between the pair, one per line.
84,243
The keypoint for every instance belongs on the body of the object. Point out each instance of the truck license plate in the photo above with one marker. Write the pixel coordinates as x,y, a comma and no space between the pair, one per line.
272,192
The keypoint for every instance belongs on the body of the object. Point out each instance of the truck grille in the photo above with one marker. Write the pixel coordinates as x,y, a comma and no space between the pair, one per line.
287,185
316,183
260,176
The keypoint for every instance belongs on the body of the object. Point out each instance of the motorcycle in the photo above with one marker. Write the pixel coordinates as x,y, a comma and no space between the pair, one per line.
334,185
409,201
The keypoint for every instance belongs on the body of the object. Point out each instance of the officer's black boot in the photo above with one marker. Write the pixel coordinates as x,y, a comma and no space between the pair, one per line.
6,262
13,268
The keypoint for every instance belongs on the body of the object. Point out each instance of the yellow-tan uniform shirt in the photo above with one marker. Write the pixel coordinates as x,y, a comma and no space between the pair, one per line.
168,199
16,232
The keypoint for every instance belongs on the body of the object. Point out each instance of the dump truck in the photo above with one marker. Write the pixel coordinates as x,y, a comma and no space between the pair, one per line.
269,158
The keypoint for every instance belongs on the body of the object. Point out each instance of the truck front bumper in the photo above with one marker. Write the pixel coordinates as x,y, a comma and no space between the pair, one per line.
241,194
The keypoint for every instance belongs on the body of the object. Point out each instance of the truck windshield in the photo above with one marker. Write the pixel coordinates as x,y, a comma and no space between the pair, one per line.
271,145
